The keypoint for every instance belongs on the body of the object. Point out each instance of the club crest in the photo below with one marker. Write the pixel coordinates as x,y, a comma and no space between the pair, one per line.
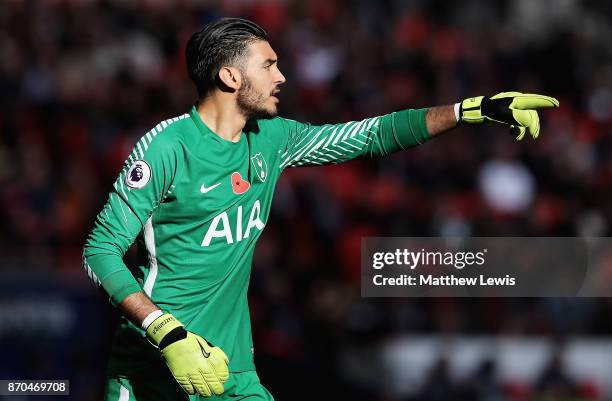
260,167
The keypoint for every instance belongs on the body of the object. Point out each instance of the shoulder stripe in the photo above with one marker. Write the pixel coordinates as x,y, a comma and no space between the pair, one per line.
140,152
144,143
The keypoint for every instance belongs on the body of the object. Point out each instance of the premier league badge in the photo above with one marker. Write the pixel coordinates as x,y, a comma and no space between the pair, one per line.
138,175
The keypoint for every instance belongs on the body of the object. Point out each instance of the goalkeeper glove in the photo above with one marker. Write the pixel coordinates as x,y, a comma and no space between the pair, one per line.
197,366
512,108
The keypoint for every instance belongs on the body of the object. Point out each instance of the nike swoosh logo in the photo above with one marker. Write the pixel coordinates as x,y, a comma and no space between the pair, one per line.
204,189
206,354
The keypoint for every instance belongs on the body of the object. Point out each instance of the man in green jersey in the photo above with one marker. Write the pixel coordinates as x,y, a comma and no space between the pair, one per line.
196,193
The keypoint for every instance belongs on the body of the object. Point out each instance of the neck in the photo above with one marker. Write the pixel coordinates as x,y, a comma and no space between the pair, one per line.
220,113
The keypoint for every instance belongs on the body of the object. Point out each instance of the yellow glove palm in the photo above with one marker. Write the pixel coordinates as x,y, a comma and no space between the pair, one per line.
197,366
516,109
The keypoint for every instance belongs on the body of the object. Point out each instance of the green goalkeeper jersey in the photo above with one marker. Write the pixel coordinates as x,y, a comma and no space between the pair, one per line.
196,204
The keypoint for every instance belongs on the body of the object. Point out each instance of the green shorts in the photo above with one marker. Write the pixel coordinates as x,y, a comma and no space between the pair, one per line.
243,385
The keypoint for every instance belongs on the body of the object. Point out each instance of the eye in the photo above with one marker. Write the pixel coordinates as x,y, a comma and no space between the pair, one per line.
268,66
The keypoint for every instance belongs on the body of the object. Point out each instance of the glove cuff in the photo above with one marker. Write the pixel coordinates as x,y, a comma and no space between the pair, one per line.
471,110
161,327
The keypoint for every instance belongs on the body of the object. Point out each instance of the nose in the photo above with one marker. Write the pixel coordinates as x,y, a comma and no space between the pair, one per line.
280,79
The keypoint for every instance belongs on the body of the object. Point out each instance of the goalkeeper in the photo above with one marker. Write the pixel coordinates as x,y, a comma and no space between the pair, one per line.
195,193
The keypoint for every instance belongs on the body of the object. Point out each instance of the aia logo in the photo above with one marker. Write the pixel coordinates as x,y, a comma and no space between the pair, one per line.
229,225
239,184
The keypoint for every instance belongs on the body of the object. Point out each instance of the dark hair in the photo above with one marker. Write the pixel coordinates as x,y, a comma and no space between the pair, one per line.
218,44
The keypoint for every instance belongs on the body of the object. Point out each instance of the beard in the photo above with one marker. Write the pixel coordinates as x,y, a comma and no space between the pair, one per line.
251,103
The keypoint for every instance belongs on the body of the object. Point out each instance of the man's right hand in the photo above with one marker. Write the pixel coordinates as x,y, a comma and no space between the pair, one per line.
198,366
515,109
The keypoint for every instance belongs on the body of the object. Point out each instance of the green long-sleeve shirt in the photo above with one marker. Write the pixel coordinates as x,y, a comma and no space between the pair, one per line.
197,204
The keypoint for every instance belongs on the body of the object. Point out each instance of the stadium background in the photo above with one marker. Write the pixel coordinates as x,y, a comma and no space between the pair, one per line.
80,81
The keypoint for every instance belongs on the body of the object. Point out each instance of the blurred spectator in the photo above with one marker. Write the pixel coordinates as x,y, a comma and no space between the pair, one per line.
554,384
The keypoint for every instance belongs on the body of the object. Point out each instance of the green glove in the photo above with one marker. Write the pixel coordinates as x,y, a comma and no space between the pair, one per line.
512,108
198,366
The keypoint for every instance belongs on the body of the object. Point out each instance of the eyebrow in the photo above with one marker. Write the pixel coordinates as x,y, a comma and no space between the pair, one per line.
270,61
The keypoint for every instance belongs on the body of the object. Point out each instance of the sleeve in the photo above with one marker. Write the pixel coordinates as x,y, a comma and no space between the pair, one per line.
312,145
143,183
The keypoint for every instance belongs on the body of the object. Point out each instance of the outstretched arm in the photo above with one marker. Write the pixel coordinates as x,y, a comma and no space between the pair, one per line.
308,145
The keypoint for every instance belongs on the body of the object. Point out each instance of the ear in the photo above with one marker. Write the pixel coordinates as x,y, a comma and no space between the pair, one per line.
230,77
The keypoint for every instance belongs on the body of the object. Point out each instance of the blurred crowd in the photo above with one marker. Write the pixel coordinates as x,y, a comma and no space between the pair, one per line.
82,80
